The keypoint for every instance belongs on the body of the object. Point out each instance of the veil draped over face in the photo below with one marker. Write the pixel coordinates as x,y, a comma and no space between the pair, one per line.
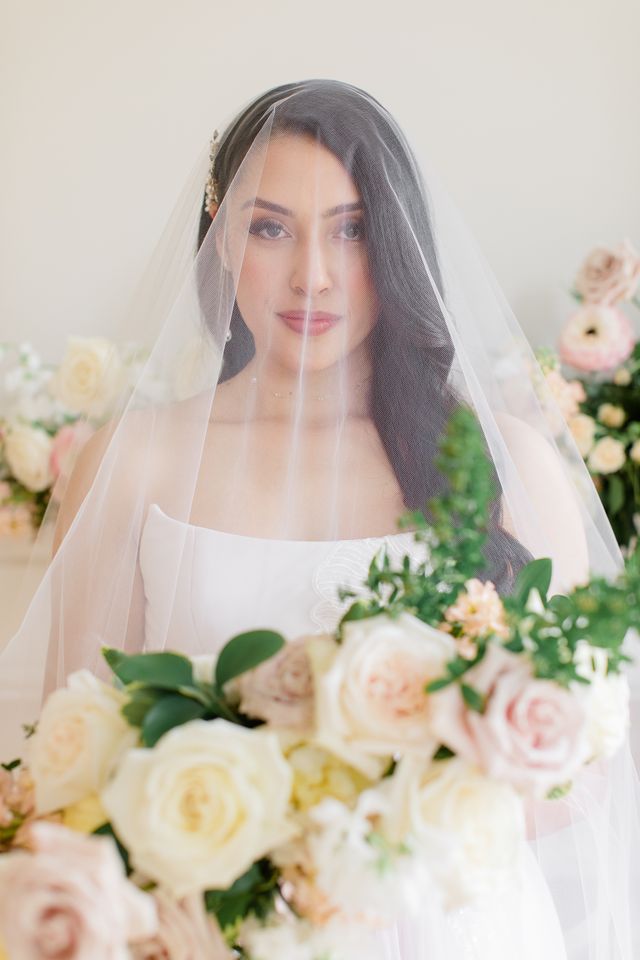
310,341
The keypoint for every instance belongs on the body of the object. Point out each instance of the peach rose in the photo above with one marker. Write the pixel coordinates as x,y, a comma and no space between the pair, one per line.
280,690
609,275
608,456
568,394
532,733
611,415
70,899
583,431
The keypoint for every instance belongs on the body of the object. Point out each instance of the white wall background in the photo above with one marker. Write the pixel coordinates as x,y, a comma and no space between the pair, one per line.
529,111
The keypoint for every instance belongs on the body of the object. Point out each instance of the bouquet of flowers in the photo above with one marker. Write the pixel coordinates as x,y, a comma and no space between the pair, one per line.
600,394
290,799
46,414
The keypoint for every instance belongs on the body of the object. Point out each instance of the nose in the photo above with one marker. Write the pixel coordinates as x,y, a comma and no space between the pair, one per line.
310,273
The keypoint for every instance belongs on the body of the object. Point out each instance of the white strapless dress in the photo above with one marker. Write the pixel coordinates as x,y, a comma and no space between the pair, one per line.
217,575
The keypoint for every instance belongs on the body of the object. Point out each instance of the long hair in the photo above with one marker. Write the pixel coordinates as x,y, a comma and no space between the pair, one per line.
412,351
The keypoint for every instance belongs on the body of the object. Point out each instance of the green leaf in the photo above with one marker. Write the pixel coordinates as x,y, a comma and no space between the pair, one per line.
172,711
13,765
443,753
252,893
140,703
245,651
534,576
439,684
615,494
167,670
473,699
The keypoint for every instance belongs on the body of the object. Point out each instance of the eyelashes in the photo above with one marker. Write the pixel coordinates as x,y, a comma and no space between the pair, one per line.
269,229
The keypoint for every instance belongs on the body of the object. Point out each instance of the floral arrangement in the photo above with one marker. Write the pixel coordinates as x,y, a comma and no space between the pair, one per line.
46,414
599,390
290,799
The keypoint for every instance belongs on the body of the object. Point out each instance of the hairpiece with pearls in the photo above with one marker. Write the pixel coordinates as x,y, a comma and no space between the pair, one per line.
211,190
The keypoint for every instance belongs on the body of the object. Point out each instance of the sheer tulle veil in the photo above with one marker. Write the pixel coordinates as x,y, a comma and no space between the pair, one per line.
407,322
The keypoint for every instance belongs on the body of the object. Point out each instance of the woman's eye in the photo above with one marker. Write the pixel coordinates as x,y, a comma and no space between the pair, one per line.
268,229
352,230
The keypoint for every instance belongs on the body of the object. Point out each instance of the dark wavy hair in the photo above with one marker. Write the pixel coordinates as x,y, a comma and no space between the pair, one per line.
412,351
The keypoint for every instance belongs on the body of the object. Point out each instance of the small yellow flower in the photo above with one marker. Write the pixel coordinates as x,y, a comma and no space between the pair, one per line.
611,415
317,775
85,816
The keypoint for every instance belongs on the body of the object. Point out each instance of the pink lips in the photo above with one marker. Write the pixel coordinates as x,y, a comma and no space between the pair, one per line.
310,323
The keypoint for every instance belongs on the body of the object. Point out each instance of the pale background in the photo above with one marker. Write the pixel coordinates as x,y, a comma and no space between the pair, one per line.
528,110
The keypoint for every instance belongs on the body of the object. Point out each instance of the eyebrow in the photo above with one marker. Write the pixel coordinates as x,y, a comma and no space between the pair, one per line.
277,208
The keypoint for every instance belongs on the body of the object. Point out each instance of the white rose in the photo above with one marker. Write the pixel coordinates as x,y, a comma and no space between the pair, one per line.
606,701
469,826
583,428
197,810
611,415
27,451
607,456
80,736
90,376
370,698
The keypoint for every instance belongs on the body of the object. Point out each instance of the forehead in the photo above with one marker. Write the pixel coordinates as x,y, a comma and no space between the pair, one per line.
302,175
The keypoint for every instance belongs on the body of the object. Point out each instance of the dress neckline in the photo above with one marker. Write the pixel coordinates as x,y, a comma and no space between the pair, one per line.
242,536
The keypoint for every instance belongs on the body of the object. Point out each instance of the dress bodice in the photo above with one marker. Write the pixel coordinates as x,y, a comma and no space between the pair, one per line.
202,586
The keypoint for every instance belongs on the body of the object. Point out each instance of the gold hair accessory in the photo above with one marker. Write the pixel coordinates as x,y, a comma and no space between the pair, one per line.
211,190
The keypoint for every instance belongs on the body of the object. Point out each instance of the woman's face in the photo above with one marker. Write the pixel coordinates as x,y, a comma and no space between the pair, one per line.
303,282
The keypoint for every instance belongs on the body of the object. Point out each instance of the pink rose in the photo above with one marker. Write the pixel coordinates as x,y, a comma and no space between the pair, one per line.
70,899
609,275
596,337
185,932
532,733
66,446
280,690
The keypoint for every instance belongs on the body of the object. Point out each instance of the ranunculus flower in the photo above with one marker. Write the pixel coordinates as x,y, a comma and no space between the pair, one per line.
66,445
583,430
609,275
90,376
185,932
596,338
370,696
532,732
80,736
27,451
469,826
70,899
607,456
197,810
611,415
280,689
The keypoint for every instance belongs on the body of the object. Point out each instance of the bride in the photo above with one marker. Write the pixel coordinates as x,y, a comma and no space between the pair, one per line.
307,359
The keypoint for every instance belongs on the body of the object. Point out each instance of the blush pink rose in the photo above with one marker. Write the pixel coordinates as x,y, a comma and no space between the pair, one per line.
280,690
70,899
532,733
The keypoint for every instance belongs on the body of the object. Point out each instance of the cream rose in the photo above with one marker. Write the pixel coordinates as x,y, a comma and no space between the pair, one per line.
611,415
470,827
80,736
197,810
622,377
27,451
69,899
609,275
583,430
90,376
280,689
607,456
532,732
634,452
370,697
